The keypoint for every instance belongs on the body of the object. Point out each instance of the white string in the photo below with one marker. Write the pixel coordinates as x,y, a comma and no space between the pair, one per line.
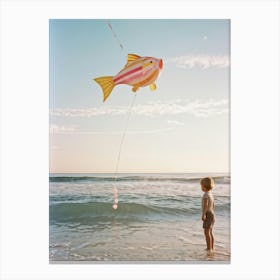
115,190
115,205
116,36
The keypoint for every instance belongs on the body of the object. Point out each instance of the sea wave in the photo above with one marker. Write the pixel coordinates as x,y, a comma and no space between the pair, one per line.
91,212
58,179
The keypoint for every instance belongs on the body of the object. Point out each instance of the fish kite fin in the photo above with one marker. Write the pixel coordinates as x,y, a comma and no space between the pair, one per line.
153,86
131,57
107,84
135,88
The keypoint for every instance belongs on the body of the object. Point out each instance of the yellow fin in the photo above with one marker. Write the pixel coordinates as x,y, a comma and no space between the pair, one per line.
153,86
131,57
107,84
135,88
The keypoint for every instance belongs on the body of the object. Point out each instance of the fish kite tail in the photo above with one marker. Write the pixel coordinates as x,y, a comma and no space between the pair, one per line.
107,84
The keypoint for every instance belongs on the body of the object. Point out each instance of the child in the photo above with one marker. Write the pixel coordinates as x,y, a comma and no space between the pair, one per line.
208,215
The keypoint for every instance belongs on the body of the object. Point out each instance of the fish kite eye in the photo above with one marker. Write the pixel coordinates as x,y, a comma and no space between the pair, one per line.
151,61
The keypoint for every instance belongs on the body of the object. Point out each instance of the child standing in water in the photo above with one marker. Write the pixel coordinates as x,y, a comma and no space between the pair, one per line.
208,214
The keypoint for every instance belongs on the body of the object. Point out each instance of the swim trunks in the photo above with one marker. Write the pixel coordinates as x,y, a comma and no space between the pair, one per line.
210,219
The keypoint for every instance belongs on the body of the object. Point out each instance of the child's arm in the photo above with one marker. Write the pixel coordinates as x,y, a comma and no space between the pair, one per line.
204,208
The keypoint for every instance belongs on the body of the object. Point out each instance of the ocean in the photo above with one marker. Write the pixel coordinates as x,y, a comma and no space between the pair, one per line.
158,219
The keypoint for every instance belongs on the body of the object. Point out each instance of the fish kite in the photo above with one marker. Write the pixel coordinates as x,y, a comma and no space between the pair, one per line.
138,72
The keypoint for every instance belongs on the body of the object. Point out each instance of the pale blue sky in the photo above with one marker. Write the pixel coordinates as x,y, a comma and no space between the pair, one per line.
183,126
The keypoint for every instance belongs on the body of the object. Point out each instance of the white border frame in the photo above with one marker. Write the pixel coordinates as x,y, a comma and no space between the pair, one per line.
254,137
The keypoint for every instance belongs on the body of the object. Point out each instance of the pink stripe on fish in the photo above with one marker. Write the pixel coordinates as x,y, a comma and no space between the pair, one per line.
136,77
131,79
127,73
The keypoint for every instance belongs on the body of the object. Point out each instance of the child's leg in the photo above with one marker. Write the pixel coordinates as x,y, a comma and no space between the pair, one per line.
207,238
212,239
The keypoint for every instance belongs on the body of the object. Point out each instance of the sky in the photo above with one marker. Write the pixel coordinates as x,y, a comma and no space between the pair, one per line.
182,126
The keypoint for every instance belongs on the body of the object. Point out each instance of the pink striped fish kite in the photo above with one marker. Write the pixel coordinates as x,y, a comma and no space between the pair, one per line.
138,72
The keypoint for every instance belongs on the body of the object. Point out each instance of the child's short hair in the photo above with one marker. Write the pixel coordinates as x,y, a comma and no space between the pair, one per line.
207,182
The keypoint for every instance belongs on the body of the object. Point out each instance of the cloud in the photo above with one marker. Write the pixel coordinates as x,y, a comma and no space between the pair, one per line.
57,129
195,108
201,61
88,112
171,108
175,122
66,131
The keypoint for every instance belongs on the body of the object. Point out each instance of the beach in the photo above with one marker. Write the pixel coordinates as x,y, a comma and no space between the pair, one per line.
158,218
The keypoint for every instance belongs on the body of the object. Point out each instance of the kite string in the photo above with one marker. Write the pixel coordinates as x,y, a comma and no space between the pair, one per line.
116,36
115,206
